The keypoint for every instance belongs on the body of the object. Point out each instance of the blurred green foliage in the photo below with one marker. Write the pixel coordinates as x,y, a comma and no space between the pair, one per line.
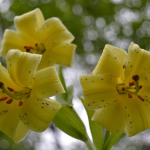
94,23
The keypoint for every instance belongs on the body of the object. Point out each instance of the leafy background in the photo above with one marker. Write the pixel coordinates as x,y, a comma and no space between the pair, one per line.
94,23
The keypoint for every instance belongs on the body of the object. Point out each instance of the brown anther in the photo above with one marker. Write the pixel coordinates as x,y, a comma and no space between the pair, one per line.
25,47
142,99
1,84
15,91
9,101
140,86
3,98
132,83
129,95
135,77
3,92
20,103
124,66
38,49
123,89
27,50
10,89
36,44
30,47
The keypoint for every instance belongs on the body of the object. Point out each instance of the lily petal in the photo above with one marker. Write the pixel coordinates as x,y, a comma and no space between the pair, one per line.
29,23
99,90
61,54
137,63
22,67
4,107
5,78
8,43
137,115
19,42
37,113
11,125
53,31
47,83
8,83
111,58
20,133
112,118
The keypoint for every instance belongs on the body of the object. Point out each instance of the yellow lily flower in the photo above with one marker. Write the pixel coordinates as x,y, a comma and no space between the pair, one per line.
36,35
24,94
118,90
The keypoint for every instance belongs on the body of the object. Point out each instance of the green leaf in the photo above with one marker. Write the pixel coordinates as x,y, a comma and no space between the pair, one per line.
69,122
65,98
111,141
68,100
3,62
96,129
107,133
65,95
60,99
70,91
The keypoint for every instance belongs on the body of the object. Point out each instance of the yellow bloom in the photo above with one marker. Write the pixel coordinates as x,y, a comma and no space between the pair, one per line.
118,90
24,94
35,35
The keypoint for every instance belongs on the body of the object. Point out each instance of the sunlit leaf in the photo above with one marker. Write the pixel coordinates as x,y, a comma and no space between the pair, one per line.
96,129
111,141
69,122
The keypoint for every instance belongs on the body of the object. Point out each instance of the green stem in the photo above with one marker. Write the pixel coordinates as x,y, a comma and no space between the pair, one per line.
89,144
106,135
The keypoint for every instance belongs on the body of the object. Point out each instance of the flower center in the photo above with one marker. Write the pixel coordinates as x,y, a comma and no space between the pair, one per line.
131,89
36,49
17,95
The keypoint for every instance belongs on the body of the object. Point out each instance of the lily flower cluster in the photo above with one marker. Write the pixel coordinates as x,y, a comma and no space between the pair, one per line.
38,36
31,77
118,89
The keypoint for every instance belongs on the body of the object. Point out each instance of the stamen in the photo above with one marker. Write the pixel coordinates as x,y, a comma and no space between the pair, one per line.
3,98
12,95
140,98
132,83
20,103
9,101
10,89
140,86
30,47
129,95
123,89
38,48
25,47
135,77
